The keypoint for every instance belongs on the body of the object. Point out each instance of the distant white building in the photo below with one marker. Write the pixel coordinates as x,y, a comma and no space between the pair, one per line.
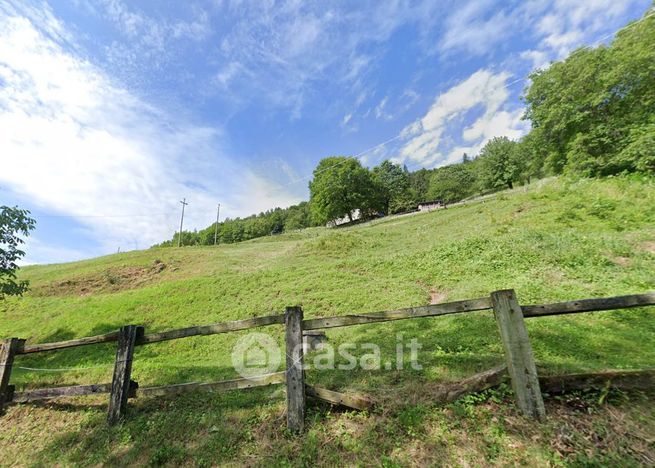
356,214
430,205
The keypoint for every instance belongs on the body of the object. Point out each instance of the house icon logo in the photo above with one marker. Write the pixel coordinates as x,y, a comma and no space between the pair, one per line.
256,354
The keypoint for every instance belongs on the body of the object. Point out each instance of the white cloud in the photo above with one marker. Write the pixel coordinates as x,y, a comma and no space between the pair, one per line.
410,97
74,142
455,155
540,59
40,14
230,71
423,147
472,28
380,112
480,27
259,193
482,87
156,33
565,25
568,24
423,138
374,156
498,123
144,44
39,251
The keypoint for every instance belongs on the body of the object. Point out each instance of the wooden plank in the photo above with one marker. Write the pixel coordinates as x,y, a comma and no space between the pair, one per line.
120,384
399,314
476,383
212,329
627,380
221,386
589,305
36,348
76,390
518,353
8,349
47,393
295,373
349,400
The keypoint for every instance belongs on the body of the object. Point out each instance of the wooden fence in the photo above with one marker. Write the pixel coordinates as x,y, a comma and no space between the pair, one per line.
508,313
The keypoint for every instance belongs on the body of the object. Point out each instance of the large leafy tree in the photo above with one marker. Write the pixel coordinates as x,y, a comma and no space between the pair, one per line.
594,111
299,217
13,223
532,152
340,186
419,183
500,164
392,182
453,183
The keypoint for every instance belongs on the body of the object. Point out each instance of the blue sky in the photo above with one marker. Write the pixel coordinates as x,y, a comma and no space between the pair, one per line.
112,111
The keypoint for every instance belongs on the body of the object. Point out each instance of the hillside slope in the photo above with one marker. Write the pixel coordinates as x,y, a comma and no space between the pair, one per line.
555,240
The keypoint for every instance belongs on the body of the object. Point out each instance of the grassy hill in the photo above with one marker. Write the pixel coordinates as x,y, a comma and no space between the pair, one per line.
554,240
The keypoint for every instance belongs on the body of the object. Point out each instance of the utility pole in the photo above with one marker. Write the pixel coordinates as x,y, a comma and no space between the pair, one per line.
179,238
218,210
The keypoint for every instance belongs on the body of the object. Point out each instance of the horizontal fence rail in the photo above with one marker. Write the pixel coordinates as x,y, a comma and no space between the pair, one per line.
222,327
434,310
508,314
589,305
221,386
89,340
48,393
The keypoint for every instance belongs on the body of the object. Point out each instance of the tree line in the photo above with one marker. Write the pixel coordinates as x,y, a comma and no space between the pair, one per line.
591,115
271,222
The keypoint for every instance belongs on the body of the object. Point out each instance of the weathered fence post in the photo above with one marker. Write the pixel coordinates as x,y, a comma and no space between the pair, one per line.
121,384
8,349
295,375
518,353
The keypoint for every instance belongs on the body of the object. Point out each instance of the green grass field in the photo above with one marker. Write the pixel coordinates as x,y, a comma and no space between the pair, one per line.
554,240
